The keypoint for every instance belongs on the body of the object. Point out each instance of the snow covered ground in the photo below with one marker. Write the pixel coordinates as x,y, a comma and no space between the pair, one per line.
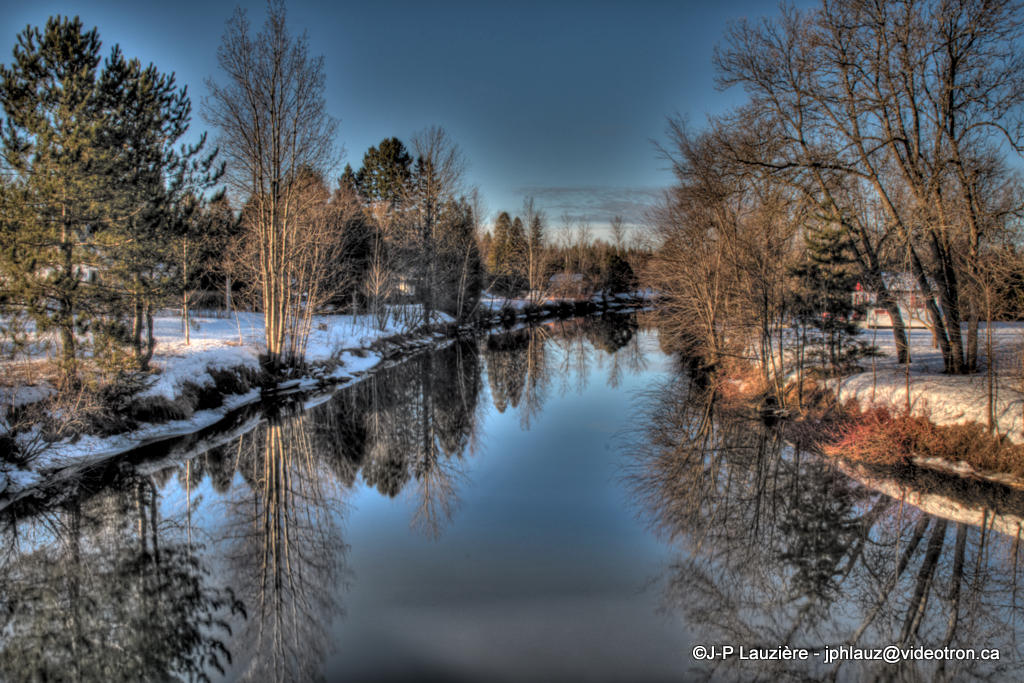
238,340
215,343
945,399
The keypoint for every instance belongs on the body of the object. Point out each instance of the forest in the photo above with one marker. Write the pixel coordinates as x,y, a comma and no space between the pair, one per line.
114,210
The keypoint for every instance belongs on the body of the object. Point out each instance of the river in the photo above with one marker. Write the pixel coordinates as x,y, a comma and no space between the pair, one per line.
558,502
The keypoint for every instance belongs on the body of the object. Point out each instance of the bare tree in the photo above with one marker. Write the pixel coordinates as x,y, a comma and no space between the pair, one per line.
437,178
789,141
379,284
273,124
911,99
618,228
723,264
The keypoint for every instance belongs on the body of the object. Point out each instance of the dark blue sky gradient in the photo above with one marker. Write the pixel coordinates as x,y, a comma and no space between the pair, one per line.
558,99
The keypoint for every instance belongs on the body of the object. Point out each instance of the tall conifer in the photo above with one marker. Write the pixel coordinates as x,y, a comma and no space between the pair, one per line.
56,202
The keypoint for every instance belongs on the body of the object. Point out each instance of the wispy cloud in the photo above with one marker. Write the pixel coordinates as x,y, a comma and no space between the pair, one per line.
594,205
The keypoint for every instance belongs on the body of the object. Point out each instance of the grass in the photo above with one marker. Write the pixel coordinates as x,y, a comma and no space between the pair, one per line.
875,436
881,437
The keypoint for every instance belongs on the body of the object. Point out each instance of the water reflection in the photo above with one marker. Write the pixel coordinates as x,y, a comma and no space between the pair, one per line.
284,551
107,588
411,426
234,561
522,365
777,547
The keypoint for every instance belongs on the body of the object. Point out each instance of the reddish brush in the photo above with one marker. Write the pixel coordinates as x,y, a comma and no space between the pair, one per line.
877,436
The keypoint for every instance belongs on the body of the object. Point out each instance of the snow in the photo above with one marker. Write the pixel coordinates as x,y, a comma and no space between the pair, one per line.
945,399
494,303
936,503
90,448
20,395
497,303
215,343
238,341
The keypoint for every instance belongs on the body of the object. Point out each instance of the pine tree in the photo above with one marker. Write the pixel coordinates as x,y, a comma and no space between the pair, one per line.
500,247
93,206
536,239
460,271
616,274
826,278
158,189
57,203
348,181
221,224
358,238
517,248
535,254
386,171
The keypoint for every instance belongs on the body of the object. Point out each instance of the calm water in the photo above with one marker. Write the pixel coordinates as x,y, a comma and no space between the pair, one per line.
556,503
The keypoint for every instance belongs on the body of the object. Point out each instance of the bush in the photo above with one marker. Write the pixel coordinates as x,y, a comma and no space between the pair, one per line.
877,436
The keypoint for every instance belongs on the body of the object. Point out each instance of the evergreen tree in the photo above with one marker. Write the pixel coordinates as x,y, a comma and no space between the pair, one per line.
501,246
157,192
486,246
536,239
535,255
460,271
826,278
91,208
57,201
517,248
385,173
221,223
616,274
358,237
348,181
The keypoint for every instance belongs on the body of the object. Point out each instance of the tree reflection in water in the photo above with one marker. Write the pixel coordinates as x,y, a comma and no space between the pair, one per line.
779,548
285,551
235,558
405,427
523,364
105,588
414,423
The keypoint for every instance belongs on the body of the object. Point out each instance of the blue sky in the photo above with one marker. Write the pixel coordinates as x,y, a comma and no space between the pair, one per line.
561,100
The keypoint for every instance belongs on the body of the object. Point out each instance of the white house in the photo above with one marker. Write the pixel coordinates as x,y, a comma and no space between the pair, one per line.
907,294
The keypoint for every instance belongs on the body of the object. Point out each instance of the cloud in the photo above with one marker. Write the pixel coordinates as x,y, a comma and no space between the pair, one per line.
594,205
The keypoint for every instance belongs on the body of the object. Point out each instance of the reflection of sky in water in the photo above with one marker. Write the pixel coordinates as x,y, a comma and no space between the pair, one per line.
543,570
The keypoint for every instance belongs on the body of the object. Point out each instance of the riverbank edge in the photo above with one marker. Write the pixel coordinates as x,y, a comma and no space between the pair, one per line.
948,487
322,379
825,422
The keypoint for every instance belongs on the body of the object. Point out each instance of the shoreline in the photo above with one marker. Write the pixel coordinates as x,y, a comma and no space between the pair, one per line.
345,367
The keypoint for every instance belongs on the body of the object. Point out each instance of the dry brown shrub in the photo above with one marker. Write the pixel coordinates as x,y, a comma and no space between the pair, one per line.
878,436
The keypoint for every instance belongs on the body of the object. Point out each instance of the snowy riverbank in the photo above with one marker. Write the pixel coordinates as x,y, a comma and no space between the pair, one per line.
340,350
945,399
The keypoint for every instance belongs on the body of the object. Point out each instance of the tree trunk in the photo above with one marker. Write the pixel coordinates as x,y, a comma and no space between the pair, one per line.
150,339
899,330
66,315
925,576
184,290
972,339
